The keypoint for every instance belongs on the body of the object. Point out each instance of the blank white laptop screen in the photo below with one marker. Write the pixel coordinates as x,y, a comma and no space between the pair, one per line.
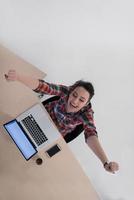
21,139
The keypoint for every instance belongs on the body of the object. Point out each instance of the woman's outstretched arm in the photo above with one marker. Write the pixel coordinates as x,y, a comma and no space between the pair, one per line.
29,81
96,147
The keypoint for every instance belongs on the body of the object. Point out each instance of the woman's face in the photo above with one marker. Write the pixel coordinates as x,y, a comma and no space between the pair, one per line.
78,98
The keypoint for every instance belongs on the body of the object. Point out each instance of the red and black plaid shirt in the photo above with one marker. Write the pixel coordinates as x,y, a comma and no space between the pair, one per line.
66,122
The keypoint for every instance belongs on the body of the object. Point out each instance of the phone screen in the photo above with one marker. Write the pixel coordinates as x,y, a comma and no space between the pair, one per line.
53,150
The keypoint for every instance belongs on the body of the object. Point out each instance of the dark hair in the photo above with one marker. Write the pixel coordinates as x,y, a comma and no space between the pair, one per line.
86,85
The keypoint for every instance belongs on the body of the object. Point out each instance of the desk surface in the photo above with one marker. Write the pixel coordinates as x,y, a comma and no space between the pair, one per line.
59,177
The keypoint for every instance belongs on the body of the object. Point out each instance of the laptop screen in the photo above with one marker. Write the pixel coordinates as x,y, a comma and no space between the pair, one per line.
20,138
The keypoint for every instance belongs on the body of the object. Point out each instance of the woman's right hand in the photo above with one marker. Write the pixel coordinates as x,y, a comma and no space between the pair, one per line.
11,75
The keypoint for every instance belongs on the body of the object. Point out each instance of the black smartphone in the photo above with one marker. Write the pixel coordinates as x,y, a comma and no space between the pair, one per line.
53,150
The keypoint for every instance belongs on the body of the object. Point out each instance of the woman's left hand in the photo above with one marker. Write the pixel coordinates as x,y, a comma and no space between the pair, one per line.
111,167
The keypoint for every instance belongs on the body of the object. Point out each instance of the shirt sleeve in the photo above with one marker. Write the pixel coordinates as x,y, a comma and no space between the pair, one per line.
89,125
51,89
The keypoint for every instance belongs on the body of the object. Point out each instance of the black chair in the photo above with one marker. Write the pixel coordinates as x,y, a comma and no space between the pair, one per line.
78,129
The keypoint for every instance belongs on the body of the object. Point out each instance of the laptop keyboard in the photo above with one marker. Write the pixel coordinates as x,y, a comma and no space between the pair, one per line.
34,130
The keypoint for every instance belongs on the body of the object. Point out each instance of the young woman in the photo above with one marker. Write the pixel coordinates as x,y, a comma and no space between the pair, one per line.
72,108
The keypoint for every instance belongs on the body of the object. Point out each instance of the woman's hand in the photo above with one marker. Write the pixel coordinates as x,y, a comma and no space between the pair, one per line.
11,75
111,167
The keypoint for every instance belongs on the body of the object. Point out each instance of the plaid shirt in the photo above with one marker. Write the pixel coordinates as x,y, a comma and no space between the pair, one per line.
66,122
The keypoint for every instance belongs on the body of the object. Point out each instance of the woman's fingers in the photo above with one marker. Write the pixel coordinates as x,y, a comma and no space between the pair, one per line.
112,167
11,75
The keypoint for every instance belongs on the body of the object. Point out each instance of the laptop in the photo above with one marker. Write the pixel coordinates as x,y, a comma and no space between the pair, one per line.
32,130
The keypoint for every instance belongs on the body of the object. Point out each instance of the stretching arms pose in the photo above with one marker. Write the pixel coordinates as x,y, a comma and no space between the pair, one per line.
73,108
